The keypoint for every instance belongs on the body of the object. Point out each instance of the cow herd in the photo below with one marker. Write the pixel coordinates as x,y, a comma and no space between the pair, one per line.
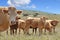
10,19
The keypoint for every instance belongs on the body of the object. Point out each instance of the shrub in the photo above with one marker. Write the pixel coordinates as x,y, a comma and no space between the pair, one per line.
25,14
35,14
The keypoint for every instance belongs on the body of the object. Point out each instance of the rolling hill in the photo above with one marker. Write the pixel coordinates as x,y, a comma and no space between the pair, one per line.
40,13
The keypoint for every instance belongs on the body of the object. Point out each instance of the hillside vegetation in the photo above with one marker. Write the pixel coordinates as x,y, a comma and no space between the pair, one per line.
39,14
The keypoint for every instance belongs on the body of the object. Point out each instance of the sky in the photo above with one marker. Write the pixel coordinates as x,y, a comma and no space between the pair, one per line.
51,6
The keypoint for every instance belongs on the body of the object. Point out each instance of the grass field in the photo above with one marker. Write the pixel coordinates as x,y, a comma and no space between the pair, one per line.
54,36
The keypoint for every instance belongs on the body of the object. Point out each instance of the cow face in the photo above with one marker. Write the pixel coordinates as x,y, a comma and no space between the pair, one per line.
12,13
13,22
54,22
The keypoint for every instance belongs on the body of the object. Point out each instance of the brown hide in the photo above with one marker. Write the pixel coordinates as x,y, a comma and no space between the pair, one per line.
4,21
48,27
21,25
51,24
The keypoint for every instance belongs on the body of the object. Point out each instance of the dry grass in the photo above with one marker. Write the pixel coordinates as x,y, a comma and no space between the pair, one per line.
54,36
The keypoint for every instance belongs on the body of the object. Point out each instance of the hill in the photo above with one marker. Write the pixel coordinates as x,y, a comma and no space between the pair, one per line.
33,13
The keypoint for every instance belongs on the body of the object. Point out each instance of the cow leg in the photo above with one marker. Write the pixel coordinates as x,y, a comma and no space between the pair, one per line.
45,31
35,30
15,31
54,29
40,32
24,31
19,31
50,31
27,31
7,32
11,31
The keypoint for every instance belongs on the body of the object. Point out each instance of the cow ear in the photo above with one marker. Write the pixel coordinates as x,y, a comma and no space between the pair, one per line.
5,11
18,11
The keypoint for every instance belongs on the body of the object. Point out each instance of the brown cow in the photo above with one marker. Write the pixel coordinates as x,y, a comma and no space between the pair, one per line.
13,25
41,24
29,21
28,24
51,24
21,25
5,11
4,19
35,23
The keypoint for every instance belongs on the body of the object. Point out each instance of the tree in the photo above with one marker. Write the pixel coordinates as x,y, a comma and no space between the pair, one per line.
35,14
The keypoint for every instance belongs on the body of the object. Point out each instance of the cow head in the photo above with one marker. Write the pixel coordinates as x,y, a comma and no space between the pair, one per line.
12,13
18,11
54,22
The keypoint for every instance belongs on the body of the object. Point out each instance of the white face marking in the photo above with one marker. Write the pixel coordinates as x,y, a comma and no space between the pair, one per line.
12,14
